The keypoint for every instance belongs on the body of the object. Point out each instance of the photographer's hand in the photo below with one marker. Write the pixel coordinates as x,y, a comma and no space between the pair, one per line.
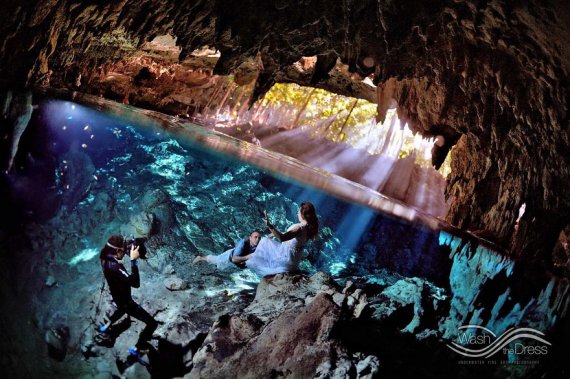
134,252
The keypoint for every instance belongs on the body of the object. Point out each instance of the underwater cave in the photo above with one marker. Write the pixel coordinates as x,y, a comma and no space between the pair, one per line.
422,146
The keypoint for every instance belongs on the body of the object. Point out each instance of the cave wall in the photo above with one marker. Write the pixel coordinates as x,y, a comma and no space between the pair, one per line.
492,75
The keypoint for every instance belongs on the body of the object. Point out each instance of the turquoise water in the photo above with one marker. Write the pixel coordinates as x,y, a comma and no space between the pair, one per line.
91,168
214,199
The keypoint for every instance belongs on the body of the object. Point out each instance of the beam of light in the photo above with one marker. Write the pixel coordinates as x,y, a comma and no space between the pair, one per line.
378,172
354,226
383,141
320,154
83,256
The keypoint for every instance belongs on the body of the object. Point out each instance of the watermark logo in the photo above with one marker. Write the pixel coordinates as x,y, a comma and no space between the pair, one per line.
476,341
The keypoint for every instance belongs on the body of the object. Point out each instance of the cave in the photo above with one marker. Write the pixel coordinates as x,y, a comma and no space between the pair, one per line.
432,139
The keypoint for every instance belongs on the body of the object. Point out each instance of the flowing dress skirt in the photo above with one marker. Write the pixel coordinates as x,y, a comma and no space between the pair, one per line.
273,257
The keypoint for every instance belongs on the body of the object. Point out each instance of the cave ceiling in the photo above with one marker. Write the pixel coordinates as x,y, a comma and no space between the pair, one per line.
490,76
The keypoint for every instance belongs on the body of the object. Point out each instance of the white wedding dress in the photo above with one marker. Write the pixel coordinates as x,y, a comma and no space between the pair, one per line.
274,257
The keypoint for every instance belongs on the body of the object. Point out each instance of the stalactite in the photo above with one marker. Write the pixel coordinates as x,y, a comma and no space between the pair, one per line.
18,109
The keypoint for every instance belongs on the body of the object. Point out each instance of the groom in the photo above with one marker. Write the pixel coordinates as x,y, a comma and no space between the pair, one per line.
244,247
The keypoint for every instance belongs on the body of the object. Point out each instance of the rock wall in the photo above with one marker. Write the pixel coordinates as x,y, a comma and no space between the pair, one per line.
491,74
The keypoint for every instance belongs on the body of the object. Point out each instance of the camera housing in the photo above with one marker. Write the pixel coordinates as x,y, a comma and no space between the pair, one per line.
140,242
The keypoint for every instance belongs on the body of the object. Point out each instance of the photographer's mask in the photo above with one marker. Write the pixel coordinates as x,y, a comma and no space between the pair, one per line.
118,244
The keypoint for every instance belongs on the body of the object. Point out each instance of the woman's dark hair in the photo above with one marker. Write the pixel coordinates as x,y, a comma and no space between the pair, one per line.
116,241
310,215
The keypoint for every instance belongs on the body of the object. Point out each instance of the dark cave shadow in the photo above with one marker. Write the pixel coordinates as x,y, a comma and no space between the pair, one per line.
108,338
168,360
403,356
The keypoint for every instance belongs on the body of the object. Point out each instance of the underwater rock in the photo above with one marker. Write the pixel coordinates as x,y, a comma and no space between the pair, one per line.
349,287
296,316
401,303
335,366
299,340
157,202
164,217
104,369
283,291
154,198
175,284
77,171
483,292
140,225
137,371
368,367
103,205
339,299
57,340
187,336
50,281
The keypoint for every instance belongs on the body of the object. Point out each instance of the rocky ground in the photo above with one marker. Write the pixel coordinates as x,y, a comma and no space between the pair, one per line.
287,325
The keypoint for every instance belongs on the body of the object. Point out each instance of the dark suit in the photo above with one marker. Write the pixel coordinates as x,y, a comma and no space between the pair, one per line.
120,283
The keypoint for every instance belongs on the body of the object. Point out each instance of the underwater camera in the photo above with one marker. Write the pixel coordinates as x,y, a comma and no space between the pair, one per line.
140,242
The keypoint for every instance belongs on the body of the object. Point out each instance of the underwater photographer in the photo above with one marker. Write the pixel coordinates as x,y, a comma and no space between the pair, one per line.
120,283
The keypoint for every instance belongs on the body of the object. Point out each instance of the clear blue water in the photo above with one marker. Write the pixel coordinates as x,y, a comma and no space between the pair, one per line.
130,158
86,172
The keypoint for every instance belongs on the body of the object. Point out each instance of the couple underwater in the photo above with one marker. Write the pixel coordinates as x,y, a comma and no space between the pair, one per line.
268,256
261,254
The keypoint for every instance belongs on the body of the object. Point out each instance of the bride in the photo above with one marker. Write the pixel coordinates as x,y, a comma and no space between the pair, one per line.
274,257
282,255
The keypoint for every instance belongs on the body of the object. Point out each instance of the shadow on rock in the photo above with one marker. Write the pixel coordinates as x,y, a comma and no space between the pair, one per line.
108,338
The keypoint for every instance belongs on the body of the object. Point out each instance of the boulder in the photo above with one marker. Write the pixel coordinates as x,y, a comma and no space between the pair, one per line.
295,343
140,225
368,367
153,198
57,340
283,291
50,281
175,284
401,303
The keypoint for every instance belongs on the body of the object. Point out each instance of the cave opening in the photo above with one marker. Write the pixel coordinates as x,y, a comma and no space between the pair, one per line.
334,125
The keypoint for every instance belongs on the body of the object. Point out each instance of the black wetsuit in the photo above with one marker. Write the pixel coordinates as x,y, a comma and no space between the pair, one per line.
120,283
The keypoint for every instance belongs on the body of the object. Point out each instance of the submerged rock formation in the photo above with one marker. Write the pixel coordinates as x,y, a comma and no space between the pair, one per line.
489,74
15,115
